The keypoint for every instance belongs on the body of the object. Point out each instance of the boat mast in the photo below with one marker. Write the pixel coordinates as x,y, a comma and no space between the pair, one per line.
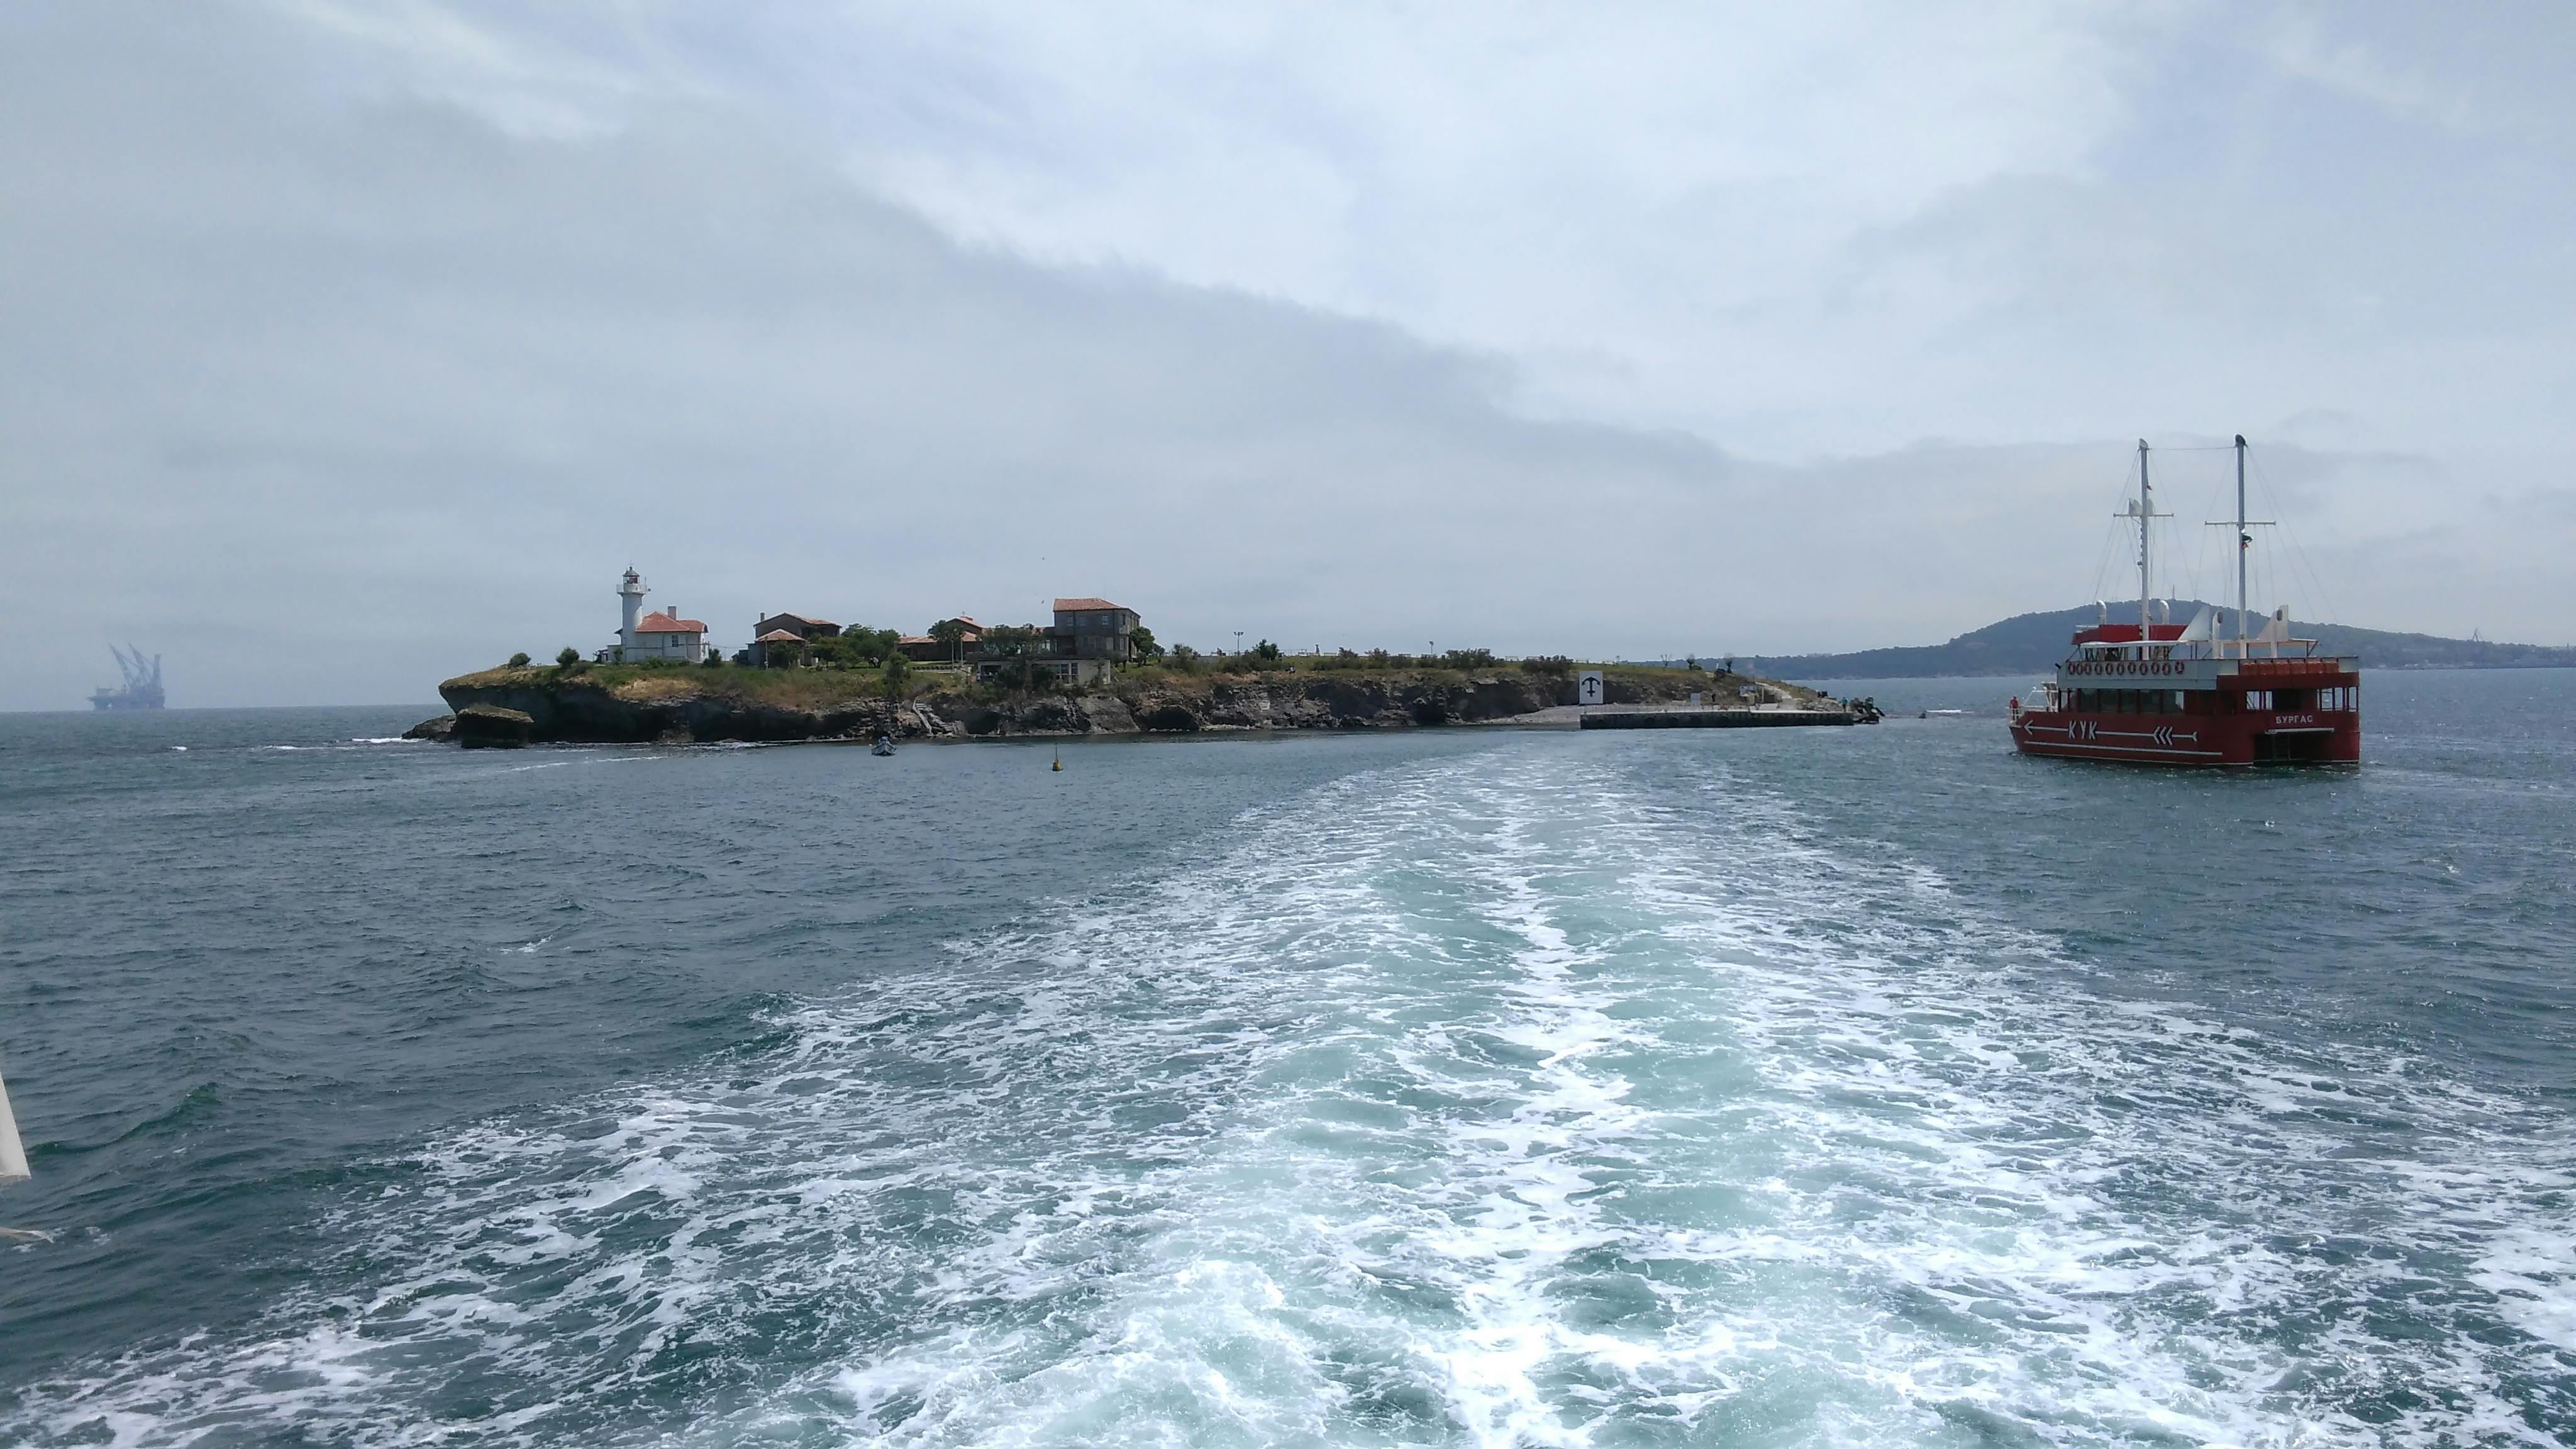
2146,509
2244,543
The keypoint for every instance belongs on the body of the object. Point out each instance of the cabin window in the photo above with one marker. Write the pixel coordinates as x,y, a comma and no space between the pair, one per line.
2258,699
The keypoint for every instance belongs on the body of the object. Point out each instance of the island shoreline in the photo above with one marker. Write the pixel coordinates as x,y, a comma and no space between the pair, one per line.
608,704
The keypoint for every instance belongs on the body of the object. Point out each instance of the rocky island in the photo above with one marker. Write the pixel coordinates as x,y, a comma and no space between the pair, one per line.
683,704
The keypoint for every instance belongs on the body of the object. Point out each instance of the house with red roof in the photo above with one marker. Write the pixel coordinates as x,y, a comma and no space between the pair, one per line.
1088,641
931,649
801,626
665,636
660,635
774,646
1088,628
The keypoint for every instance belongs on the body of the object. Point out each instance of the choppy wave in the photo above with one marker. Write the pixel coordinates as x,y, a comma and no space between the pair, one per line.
1488,1101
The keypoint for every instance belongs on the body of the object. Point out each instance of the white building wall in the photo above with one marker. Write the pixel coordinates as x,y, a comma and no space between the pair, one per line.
688,648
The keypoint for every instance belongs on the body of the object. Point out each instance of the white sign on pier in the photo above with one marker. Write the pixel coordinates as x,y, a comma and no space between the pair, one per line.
1587,687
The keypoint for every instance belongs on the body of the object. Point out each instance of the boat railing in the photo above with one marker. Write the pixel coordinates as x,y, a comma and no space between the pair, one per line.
2260,651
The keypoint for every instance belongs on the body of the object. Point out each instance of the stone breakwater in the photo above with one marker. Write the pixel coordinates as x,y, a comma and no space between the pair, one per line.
671,707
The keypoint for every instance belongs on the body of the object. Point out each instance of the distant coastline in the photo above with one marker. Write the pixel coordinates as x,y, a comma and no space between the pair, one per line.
2034,643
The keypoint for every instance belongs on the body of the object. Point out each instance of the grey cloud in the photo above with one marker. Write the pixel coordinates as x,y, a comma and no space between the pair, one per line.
329,395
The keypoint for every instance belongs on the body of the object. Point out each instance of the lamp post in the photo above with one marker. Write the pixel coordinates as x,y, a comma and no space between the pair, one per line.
1238,641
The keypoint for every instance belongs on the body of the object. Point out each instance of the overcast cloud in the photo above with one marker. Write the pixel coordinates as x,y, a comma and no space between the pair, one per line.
347,347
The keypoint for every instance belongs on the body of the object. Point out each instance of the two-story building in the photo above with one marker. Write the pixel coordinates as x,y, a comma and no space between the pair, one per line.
1088,641
1094,629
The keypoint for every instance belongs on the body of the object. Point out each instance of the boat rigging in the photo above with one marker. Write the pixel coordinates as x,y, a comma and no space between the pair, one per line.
2156,692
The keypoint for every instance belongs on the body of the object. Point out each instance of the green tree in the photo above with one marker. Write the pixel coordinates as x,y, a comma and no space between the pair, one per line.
836,651
1146,648
1265,650
1021,643
714,659
1185,659
519,660
568,658
870,646
951,635
898,673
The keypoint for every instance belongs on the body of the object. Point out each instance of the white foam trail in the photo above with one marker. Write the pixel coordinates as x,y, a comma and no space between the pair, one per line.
1487,1100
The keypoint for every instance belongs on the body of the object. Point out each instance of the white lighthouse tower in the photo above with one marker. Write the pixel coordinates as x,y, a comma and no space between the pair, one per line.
630,593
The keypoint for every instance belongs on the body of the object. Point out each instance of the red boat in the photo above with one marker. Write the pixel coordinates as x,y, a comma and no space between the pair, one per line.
2161,693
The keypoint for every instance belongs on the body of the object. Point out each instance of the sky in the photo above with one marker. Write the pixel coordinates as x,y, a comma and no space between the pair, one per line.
348,346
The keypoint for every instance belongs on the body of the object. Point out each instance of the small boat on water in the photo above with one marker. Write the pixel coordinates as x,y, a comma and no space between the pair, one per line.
2160,693
883,746
13,1169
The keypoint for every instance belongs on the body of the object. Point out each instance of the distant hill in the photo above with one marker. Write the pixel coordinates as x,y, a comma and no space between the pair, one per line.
2033,643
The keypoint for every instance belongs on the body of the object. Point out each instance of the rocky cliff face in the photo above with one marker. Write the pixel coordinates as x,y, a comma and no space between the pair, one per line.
677,710
575,710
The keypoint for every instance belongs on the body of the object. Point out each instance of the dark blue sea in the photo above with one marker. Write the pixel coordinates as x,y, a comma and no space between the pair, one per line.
1809,1087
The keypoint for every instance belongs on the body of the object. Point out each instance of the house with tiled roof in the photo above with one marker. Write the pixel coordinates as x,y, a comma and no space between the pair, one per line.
1090,638
658,636
931,649
803,626
1089,628
666,636
775,646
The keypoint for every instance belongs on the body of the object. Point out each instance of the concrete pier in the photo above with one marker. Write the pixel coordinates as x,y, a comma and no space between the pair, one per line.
1712,719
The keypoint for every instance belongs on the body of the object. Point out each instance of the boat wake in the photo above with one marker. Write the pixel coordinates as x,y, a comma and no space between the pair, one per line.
1494,1099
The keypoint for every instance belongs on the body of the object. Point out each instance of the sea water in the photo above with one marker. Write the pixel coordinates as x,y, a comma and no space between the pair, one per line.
1858,1086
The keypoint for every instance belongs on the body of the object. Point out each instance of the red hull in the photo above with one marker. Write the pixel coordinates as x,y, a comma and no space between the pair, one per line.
2317,738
